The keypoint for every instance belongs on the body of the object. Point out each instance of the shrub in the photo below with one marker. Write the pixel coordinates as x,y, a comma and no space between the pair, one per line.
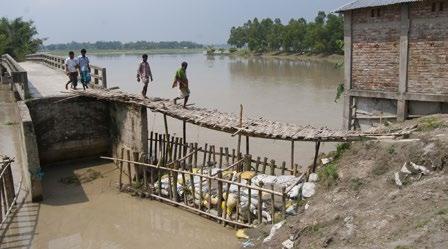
328,175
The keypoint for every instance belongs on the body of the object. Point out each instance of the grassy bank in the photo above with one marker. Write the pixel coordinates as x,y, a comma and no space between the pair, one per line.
130,52
337,59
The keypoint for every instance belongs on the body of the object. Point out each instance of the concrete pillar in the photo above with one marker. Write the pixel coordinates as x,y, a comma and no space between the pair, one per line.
402,111
348,47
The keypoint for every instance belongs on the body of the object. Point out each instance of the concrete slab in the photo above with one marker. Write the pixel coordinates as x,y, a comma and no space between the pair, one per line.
44,81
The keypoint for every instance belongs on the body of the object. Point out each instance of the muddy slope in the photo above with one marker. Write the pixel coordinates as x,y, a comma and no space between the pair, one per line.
359,205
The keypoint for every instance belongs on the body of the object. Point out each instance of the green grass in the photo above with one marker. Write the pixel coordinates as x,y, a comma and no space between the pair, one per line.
442,211
356,184
328,175
391,150
430,123
10,123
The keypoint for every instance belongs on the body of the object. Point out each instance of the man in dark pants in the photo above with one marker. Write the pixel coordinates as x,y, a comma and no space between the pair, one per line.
144,73
71,69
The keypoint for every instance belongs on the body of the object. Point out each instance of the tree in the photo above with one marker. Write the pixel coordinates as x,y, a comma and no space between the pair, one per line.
18,38
322,36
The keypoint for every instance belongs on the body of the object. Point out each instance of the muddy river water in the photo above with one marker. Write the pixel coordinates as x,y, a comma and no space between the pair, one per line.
282,90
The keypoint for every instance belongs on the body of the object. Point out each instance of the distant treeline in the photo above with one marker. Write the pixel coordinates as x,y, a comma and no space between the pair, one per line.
323,36
117,45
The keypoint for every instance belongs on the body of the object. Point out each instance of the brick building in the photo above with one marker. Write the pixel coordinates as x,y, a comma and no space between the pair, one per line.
396,60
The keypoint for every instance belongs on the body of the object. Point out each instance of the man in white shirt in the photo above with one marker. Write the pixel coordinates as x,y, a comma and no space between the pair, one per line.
71,69
84,68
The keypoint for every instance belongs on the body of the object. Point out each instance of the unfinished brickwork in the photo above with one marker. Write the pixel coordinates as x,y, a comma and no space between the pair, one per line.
376,50
428,49
397,53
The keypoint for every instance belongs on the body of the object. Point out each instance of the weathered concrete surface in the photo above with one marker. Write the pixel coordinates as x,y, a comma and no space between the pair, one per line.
129,127
29,152
96,215
44,81
18,141
70,129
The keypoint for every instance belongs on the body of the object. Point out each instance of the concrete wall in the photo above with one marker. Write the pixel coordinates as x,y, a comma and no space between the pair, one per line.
31,170
69,129
129,128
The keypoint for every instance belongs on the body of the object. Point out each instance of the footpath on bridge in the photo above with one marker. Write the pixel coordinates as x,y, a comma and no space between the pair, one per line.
43,81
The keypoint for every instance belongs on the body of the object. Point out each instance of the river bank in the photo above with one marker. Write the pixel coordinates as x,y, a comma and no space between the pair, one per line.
334,58
110,52
375,194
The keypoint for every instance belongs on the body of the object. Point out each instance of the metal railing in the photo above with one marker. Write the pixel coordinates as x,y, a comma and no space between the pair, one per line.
18,75
8,196
98,74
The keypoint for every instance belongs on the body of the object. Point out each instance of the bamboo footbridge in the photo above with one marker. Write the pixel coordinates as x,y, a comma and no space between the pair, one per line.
231,123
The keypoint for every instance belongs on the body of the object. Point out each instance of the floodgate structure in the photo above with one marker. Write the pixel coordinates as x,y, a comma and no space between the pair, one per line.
396,60
229,185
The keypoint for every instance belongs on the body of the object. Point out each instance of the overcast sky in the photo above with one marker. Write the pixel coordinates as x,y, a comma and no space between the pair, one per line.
203,21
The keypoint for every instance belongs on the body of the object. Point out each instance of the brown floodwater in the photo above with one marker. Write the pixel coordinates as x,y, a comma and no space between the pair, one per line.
94,214
276,89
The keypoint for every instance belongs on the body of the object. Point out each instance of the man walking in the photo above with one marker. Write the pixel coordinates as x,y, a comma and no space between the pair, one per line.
71,65
144,74
181,79
84,69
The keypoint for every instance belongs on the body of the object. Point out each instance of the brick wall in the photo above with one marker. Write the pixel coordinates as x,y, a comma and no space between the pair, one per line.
376,50
428,49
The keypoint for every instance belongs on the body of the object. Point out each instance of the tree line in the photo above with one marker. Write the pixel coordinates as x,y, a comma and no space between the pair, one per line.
324,35
117,45
18,38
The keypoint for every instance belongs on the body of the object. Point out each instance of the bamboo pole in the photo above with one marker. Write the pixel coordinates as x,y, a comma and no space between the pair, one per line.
296,169
238,148
159,177
233,155
129,167
226,152
292,157
150,143
249,200
227,199
219,204
238,198
165,122
184,134
184,182
247,145
257,164
273,167
265,163
283,167
120,181
283,202
156,152
272,205
316,154
175,174
260,203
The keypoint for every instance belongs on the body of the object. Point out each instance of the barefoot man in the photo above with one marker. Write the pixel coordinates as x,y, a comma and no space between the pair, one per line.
144,74
181,79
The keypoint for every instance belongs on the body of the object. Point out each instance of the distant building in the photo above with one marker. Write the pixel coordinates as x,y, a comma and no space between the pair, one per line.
396,59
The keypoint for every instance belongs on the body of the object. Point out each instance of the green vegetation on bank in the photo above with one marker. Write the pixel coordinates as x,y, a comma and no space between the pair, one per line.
322,36
18,38
117,45
106,52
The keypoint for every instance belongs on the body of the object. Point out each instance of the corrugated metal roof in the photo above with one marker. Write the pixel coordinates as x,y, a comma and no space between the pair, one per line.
360,4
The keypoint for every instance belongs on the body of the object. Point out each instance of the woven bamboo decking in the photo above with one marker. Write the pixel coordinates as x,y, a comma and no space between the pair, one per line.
228,122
